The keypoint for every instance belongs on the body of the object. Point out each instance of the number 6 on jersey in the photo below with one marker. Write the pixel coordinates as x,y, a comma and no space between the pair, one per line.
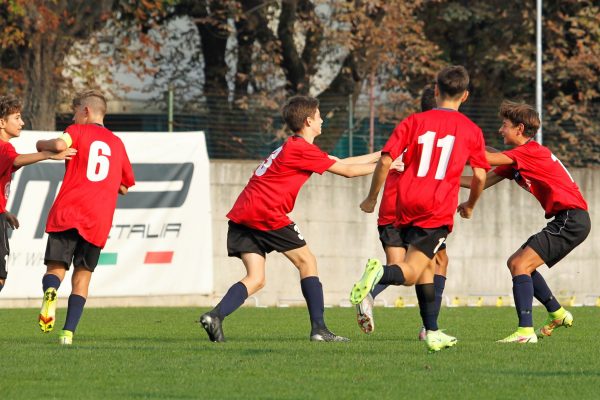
98,162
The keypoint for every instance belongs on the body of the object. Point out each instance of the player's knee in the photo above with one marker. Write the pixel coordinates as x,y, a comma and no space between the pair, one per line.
255,283
306,262
514,264
260,284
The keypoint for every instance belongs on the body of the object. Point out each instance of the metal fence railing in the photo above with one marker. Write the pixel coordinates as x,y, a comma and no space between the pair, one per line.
254,132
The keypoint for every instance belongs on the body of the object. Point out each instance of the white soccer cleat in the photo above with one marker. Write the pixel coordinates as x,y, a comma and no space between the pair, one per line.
364,314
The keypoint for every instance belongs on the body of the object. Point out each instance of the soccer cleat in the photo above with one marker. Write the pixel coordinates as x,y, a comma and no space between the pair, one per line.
522,335
325,335
438,340
65,337
552,323
364,314
47,315
422,334
212,326
372,275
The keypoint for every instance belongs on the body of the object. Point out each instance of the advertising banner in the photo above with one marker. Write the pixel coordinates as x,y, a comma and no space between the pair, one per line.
160,242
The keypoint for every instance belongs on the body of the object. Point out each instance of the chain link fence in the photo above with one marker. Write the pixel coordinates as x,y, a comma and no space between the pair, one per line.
253,132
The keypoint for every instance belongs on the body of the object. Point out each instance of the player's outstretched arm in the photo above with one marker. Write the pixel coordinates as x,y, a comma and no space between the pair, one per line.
364,159
496,159
351,170
477,185
27,159
54,145
491,179
379,176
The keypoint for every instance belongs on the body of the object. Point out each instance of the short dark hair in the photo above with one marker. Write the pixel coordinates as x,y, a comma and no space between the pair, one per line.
452,81
428,99
297,109
9,104
91,98
521,113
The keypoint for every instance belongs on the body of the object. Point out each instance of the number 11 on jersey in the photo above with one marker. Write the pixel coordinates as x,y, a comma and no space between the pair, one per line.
427,140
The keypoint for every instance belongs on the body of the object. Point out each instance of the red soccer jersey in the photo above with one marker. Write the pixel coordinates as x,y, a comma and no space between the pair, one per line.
271,192
538,171
387,208
7,159
438,144
88,195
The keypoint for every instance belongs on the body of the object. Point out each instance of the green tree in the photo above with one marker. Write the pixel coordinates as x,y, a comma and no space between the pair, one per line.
38,35
495,40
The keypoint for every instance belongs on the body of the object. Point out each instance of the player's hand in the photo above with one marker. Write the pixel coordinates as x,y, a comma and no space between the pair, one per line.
368,205
464,210
12,220
64,155
397,164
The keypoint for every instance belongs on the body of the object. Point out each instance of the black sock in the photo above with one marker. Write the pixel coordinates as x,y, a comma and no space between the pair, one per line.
426,297
439,282
392,275
523,294
378,289
74,311
542,292
312,290
50,280
233,299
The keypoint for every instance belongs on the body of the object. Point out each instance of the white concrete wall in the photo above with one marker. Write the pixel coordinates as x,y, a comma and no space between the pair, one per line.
342,238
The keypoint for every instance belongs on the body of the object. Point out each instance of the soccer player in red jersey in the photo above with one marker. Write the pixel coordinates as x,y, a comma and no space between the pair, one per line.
538,171
258,221
11,124
436,144
81,217
393,245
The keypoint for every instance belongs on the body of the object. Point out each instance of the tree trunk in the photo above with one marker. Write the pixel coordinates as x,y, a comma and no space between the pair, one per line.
334,102
41,61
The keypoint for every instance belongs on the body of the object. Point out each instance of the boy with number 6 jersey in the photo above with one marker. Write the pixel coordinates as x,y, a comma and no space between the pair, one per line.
258,221
538,171
81,217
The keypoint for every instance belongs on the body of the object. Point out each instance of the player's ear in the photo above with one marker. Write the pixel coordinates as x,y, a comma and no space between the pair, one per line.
465,96
2,123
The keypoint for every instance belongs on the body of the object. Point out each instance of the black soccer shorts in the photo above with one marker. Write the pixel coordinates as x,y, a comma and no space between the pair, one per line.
69,247
565,232
389,236
242,239
4,248
428,241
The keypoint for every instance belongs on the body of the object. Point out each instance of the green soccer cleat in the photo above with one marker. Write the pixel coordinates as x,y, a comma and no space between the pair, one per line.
438,340
65,337
372,275
566,320
522,335
47,318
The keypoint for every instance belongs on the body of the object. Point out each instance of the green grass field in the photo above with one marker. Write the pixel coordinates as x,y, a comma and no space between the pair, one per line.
139,353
